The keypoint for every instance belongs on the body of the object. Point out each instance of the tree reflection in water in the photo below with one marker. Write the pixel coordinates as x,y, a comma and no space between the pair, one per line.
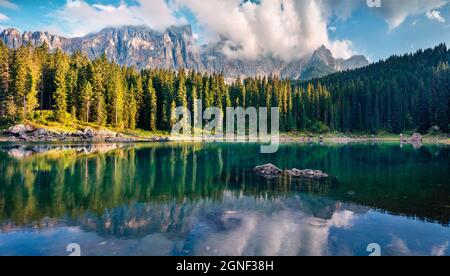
183,191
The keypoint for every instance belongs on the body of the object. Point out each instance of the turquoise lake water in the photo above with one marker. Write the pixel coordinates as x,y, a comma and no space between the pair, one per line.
203,199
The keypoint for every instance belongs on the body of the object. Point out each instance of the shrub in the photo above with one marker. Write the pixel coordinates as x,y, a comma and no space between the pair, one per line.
435,130
320,127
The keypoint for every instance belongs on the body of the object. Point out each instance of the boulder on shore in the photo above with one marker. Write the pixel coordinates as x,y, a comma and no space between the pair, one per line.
416,138
105,134
316,174
268,171
88,133
20,129
40,132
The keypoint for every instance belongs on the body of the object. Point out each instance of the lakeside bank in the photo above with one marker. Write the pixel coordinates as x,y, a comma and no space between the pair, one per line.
29,132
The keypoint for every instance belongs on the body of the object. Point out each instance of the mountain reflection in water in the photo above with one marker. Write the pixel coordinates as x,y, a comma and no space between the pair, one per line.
203,199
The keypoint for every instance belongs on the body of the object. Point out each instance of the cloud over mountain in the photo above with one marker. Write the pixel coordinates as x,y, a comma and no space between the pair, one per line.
78,18
288,29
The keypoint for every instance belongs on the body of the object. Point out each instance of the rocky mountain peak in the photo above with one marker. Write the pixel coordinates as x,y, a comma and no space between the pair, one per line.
176,47
354,62
323,56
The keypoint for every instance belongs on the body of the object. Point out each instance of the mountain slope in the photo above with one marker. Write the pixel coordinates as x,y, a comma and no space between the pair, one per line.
176,47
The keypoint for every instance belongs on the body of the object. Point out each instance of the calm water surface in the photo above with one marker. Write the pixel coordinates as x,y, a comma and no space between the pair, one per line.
203,199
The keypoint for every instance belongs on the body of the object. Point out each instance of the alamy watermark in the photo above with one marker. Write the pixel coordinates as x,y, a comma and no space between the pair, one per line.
74,249
374,3
236,125
374,249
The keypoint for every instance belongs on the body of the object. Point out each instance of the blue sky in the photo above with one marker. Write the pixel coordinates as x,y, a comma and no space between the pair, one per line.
299,26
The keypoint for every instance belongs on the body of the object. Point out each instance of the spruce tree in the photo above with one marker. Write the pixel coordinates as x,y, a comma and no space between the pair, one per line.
117,99
181,97
4,77
86,97
152,105
60,94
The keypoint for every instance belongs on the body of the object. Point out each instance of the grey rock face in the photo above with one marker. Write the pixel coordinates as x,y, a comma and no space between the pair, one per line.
20,129
176,47
14,39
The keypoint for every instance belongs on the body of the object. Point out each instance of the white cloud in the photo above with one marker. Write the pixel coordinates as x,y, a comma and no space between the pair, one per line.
399,247
79,18
3,17
289,29
396,12
343,219
73,4
439,250
341,9
105,7
435,15
8,4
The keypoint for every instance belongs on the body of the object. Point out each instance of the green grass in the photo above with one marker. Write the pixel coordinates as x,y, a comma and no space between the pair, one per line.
146,133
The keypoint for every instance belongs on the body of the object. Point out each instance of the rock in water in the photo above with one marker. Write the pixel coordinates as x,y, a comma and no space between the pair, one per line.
316,174
268,171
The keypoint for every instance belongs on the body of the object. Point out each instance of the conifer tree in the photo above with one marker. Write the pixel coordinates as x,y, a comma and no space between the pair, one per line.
152,102
117,99
60,95
4,77
86,96
181,98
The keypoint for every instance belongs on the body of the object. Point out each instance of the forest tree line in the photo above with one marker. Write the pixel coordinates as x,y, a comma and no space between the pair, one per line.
409,92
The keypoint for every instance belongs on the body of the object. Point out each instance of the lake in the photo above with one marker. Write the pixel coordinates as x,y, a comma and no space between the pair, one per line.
203,199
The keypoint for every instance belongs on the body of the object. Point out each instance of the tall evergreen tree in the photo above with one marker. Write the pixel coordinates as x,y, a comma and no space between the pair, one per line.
60,95
181,97
4,77
86,96
151,105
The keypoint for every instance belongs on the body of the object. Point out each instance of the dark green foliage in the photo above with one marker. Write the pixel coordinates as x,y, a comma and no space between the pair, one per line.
409,92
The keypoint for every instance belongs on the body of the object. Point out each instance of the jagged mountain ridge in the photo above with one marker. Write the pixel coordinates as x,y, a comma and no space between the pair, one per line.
176,47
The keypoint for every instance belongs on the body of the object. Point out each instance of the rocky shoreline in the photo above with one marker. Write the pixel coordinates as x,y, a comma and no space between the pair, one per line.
29,133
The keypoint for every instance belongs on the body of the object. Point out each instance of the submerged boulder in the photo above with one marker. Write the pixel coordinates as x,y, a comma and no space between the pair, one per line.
268,171
316,174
